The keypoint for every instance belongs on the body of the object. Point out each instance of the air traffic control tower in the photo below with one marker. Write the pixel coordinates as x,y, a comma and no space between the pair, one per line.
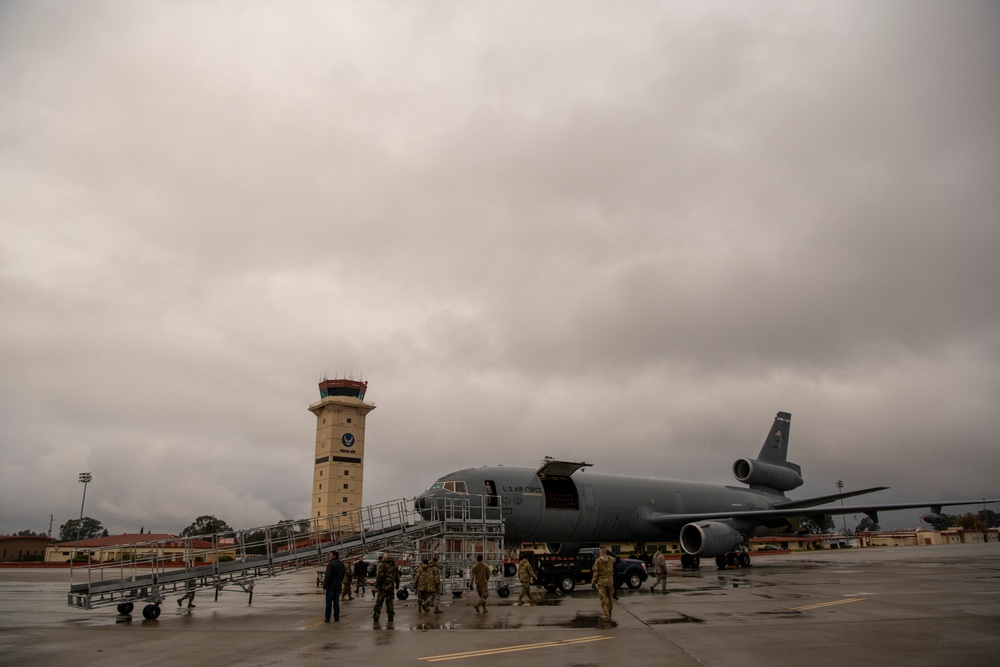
340,447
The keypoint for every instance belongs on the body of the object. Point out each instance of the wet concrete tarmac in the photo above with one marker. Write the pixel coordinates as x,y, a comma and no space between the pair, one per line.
909,606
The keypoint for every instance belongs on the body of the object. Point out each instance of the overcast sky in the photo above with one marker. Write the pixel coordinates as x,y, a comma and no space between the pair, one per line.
623,233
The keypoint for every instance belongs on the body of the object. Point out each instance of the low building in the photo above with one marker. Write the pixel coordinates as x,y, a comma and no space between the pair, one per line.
142,547
20,548
919,537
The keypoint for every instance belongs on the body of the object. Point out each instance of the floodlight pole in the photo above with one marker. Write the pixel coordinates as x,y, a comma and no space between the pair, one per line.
840,488
85,477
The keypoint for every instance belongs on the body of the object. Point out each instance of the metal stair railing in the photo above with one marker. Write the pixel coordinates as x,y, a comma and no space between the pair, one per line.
152,570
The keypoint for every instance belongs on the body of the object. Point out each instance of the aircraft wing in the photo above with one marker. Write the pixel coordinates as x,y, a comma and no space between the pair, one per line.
676,521
822,500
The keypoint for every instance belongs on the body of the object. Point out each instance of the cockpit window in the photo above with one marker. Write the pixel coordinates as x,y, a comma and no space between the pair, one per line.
437,485
456,487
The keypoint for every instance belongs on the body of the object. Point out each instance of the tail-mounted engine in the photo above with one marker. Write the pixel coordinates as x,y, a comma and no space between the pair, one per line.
771,471
761,474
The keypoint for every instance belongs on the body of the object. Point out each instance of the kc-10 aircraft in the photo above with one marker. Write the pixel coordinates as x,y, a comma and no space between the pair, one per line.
561,505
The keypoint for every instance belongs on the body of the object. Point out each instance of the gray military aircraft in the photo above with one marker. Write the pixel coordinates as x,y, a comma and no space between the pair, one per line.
565,507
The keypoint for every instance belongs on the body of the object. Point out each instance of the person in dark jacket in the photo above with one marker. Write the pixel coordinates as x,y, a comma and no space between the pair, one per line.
333,581
360,574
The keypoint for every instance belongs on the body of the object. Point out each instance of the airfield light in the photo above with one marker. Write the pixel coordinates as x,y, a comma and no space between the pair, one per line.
85,477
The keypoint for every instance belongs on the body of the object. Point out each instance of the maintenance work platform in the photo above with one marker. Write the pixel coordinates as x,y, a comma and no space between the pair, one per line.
455,532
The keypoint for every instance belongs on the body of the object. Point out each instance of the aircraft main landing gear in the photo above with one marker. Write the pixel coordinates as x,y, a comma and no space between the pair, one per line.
689,562
733,559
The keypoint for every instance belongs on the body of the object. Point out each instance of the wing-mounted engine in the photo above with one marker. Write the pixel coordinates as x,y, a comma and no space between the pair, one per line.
709,538
759,474
936,518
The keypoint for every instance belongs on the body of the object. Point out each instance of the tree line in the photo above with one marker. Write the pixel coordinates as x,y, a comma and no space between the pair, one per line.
89,528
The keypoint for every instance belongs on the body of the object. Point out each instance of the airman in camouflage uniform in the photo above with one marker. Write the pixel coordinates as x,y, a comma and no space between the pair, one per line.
424,584
525,574
660,570
480,578
386,583
603,581
435,576
348,578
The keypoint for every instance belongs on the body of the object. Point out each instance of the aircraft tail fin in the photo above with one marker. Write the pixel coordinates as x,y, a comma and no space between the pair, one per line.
775,449
771,471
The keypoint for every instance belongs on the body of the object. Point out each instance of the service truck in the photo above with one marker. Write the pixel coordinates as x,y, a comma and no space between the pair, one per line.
565,571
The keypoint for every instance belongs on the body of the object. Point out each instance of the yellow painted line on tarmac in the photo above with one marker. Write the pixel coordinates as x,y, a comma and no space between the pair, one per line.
513,649
827,604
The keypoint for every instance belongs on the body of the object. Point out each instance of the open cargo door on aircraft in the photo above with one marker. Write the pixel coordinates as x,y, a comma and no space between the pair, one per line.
560,491
559,469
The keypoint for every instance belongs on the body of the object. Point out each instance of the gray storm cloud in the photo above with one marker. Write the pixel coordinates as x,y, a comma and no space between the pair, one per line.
625,235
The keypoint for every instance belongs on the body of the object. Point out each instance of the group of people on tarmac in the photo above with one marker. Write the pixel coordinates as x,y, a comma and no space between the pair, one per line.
428,583
337,583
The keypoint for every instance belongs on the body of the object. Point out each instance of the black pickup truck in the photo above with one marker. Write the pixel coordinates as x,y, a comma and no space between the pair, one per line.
565,571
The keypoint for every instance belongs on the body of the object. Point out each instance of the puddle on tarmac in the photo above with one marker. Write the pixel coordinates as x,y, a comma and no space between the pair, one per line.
497,619
680,618
725,582
547,602
482,623
580,621
782,614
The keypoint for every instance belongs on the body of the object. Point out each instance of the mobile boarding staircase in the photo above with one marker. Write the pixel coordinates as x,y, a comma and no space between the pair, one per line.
455,530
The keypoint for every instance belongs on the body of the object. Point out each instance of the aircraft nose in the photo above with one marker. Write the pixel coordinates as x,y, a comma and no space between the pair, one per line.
424,504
